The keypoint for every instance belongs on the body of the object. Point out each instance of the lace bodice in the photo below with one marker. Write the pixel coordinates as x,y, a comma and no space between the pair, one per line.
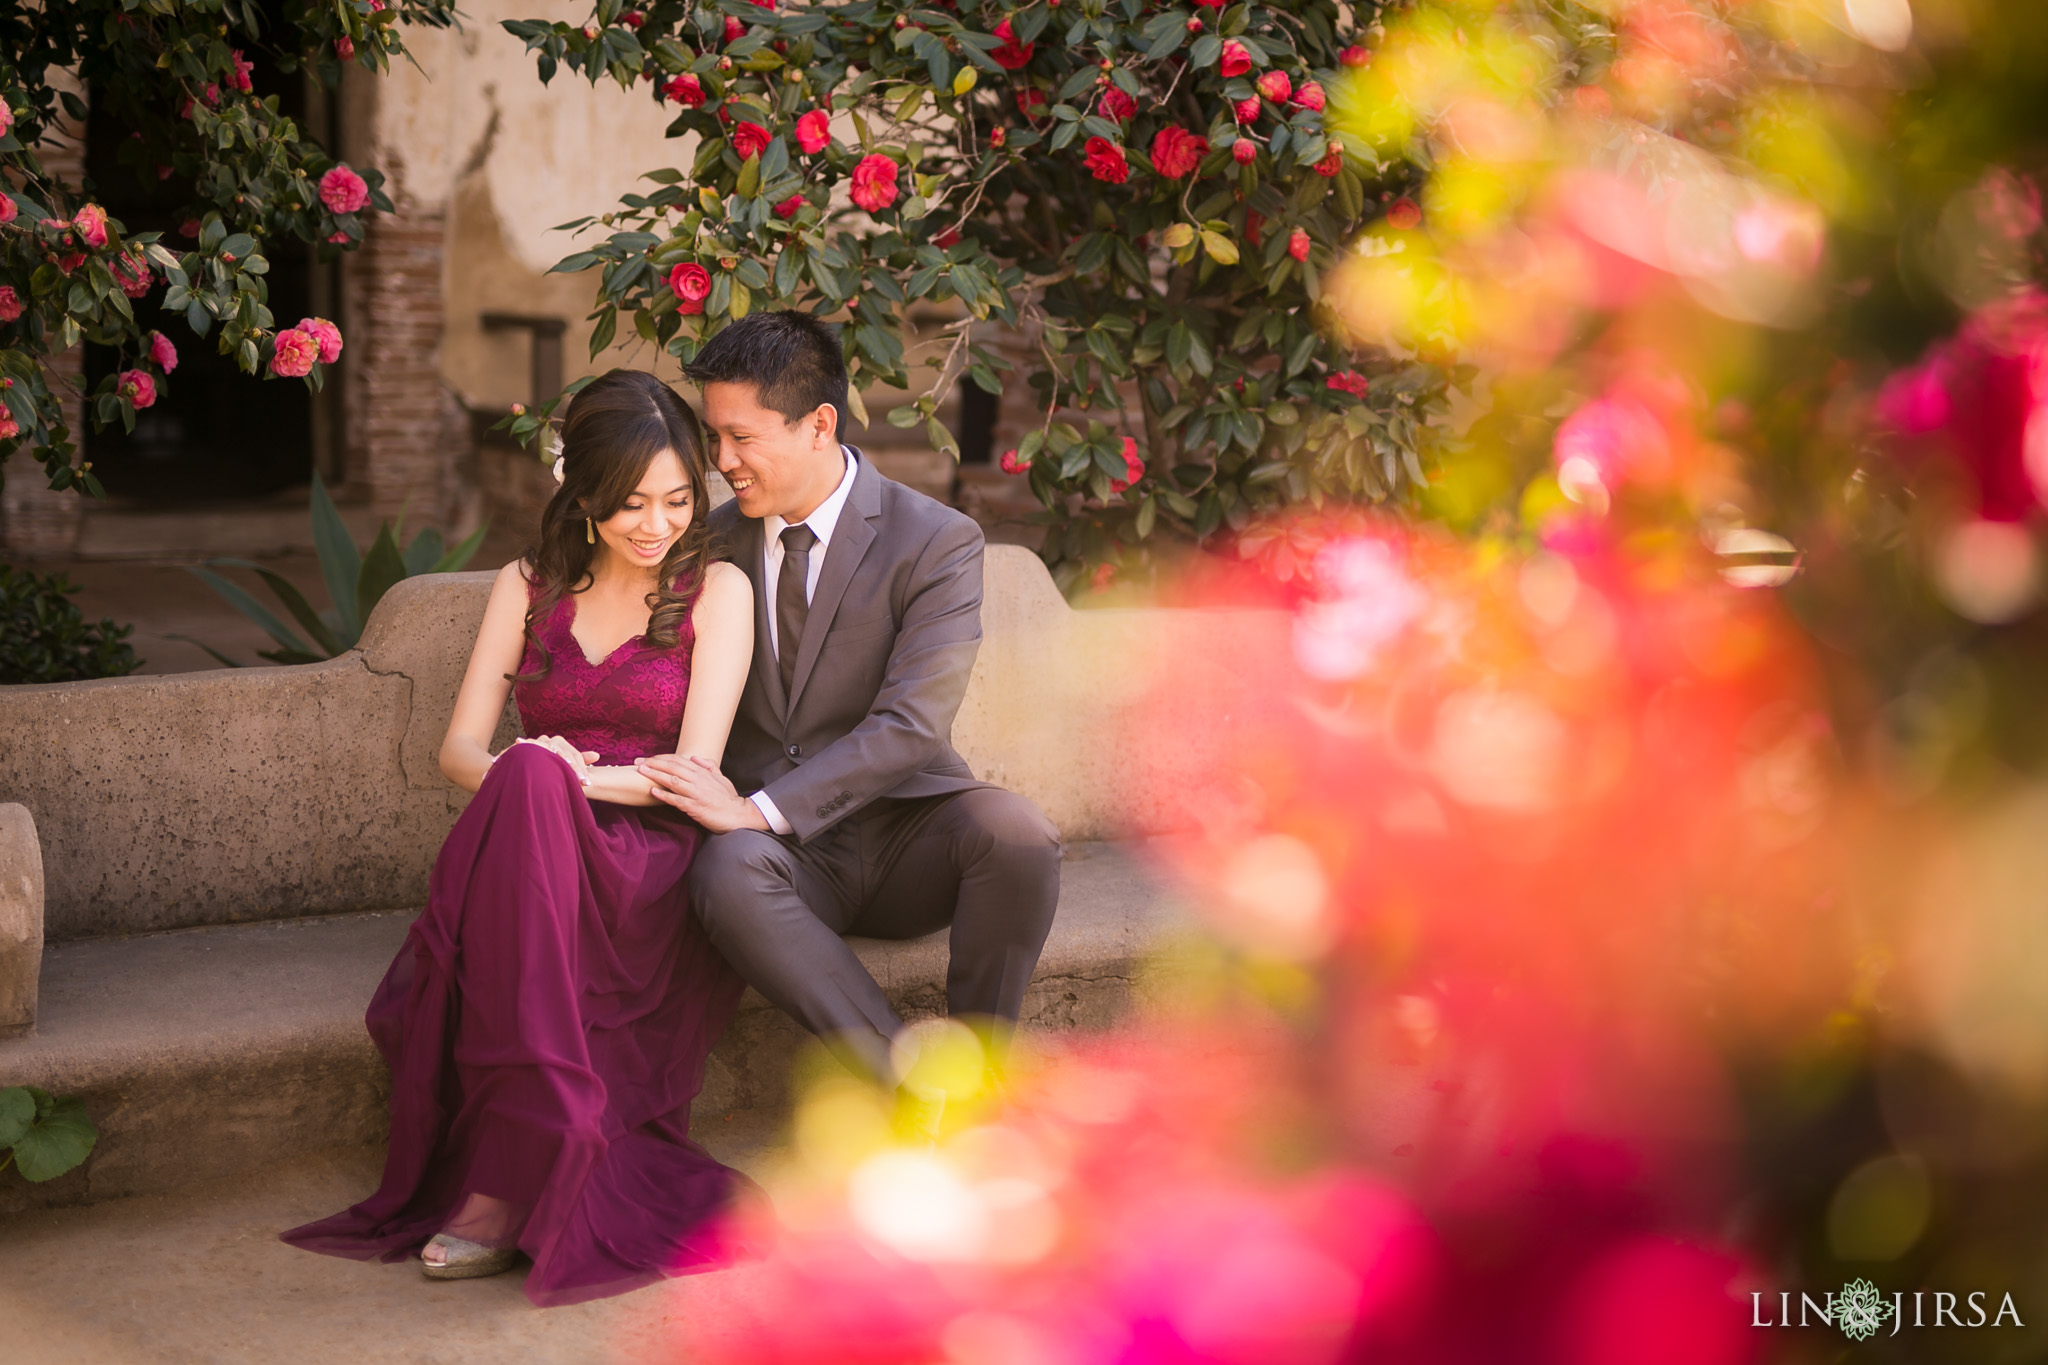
626,706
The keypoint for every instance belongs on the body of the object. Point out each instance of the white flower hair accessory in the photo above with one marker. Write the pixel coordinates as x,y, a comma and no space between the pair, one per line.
555,449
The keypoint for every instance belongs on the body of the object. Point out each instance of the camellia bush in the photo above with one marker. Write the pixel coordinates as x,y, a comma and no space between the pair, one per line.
1150,195
177,73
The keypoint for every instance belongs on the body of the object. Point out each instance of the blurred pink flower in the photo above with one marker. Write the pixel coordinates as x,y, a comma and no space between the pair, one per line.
91,222
293,354
132,273
1134,468
242,67
327,334
9,210
343,191
138,387
162,352
8,428
874,182
814,131
10,303
1368,599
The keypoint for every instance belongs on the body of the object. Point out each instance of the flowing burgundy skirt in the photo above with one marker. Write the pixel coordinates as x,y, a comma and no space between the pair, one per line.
547,1022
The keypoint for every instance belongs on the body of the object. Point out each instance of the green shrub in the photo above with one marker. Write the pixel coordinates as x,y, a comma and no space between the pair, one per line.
45,639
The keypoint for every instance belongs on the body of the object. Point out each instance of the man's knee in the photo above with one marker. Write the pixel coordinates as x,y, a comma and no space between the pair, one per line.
731,868
1012,825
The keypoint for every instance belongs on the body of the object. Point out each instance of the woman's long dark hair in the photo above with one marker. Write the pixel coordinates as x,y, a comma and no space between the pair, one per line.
616,426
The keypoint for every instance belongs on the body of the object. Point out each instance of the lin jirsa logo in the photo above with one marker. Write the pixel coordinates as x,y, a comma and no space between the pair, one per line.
1861,1311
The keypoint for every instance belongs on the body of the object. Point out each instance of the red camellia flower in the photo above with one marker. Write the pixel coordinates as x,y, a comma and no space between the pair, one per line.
1310,96
243,66
690,282
1030,103
334,238
788,207
1298,244
814,131
685,90
950,237
1275,86
1115,104
343,191
91,222
749,139
1349,381
1355,56
1011,464
345,48
1332,162
1134,468
1105,161
998,135
293,355
1244,151
874,182
8,208
1235,60
733,28
1194,25
189,228
1247,109
10,303
1254,223
138,387
632,18
1210,4
1176,151
1011,55
131,272
162,352
327,334
1403,214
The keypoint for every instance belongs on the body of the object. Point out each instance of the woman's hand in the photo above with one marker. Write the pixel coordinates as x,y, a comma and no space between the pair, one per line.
579,760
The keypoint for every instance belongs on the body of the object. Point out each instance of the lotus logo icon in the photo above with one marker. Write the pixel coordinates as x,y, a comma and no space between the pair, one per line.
1860,1310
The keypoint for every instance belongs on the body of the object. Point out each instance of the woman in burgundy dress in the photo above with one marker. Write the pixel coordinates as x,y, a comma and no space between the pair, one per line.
548,1017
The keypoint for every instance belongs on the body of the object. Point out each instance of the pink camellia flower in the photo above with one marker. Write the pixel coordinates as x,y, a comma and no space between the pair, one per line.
1298,244
1012,464
1176,152
788,207
998,135
91,222
1403,215
1011,55
1105,160
189,228
691,284
132,273
6,118
1349,381
211,94
1310,96
345,48
327,334
8,208
8,429
10,303
1332,162
138,387
733,29
1355,56
67,264
1247,109
1105,574
243,66
685,90
1235,60
814,131
343,191
293,354
749,139
162,353
1275,86
1116,104
1244,151
1134,468
336,238
874,182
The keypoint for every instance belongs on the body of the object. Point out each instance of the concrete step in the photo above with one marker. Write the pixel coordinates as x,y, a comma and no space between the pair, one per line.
203,1054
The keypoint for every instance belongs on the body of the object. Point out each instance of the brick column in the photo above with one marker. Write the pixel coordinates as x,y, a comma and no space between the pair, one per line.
36,523
398,449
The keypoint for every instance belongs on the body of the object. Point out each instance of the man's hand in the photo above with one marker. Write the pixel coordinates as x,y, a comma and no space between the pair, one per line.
700,791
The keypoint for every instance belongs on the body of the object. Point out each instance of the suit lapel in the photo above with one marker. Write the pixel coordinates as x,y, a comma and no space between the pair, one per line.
850,541
751,546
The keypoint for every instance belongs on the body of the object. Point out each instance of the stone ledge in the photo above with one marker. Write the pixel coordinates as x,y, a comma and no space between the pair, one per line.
205,1053
21,919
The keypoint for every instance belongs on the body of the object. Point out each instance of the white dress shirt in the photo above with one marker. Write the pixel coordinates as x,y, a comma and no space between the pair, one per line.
822,523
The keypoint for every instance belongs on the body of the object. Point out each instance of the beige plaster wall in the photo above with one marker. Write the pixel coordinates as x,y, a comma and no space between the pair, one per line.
263,793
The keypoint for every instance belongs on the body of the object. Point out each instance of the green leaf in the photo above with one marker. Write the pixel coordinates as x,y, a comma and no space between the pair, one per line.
295,602
750,178
425,549
242,602
340,561
17,1113
382,567
58,1142
453,561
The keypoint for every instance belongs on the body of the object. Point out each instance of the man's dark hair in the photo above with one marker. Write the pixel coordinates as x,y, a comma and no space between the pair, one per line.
792,359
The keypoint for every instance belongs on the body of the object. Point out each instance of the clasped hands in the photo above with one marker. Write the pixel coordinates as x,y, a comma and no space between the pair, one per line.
699,790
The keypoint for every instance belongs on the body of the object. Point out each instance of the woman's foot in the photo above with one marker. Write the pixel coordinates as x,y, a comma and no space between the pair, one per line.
451,1258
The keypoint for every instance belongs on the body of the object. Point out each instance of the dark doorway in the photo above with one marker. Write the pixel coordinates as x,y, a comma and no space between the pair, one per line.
217,434
977,423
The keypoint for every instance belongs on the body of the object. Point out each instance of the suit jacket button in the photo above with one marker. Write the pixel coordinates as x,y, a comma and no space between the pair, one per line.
796,751
824,811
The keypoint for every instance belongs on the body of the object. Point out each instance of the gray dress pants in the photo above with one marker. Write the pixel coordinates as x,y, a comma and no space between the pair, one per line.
986,861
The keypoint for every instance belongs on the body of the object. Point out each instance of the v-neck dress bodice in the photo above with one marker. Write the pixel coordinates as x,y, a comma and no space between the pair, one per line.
626,706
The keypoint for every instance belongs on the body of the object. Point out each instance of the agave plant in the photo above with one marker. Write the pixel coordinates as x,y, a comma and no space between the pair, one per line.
356,581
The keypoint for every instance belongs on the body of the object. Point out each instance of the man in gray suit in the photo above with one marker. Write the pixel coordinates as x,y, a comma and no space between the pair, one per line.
842,807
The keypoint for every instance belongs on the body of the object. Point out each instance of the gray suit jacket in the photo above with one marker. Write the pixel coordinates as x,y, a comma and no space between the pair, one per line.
887,648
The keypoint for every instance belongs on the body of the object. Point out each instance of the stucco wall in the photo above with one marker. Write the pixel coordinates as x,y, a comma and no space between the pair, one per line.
262,793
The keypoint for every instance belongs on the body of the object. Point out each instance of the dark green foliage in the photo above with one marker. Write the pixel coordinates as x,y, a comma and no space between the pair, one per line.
45,639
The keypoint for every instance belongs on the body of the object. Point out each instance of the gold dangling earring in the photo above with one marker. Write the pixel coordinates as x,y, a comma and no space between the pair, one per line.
590,530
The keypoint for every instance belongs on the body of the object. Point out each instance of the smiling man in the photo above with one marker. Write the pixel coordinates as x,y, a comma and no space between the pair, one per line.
842,807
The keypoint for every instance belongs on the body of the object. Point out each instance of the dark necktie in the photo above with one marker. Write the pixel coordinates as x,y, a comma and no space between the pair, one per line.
792,604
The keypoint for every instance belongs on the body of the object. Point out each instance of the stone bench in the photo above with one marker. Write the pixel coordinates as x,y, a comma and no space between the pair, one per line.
223,863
